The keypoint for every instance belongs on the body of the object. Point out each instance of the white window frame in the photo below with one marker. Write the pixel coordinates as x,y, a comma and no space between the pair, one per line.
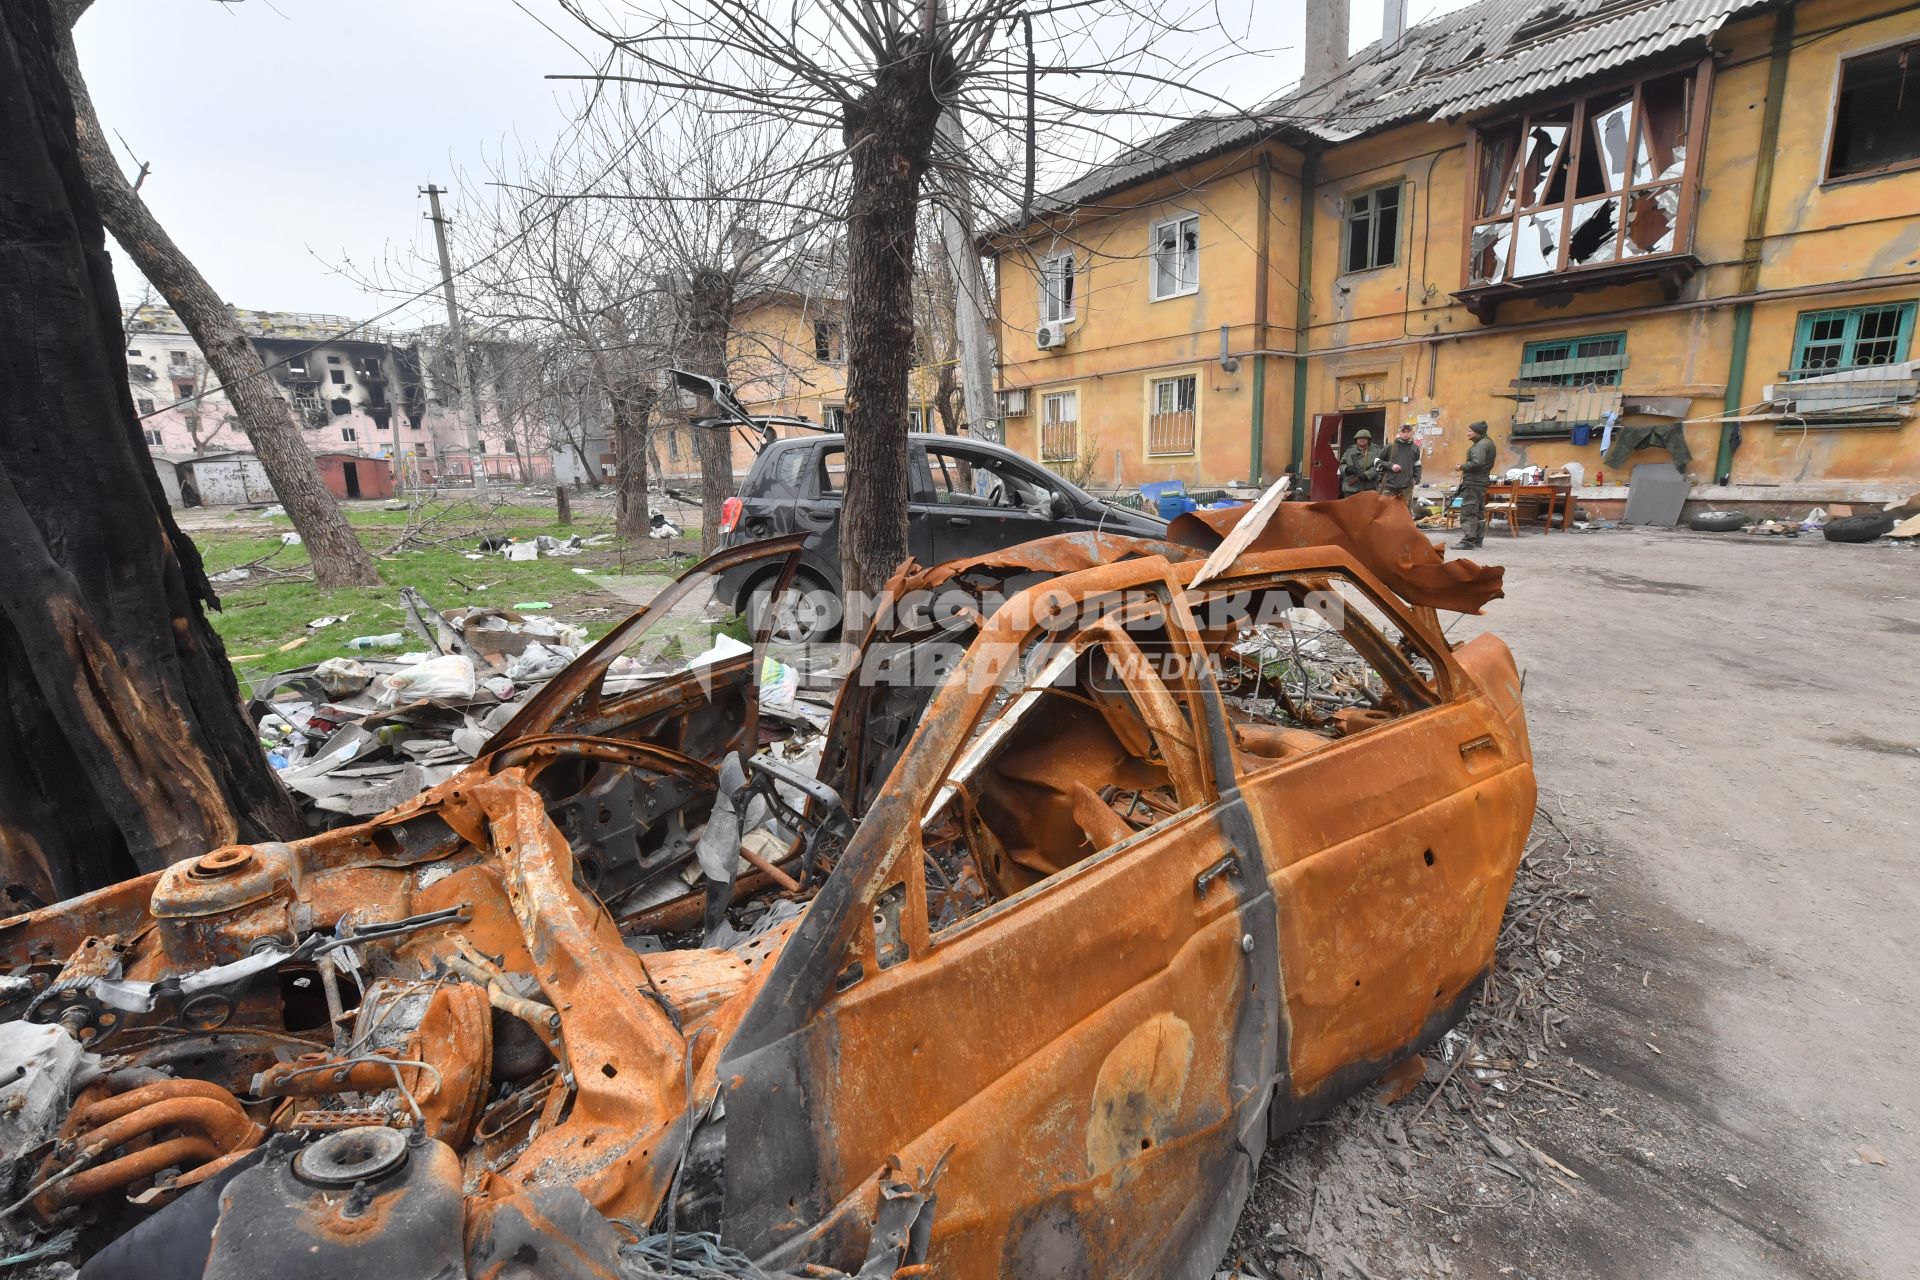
1051,399
1173,381
1186,256
1057,294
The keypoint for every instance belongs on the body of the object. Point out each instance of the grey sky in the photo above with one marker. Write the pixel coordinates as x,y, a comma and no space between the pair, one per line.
291,136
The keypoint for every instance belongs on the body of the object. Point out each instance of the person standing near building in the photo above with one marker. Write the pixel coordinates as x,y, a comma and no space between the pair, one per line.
1401,470
1359,465
1475,474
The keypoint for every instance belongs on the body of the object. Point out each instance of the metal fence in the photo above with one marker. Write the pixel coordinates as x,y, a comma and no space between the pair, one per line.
1170,433
1059,441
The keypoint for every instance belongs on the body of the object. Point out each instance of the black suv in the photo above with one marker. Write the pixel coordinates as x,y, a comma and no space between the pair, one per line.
967,497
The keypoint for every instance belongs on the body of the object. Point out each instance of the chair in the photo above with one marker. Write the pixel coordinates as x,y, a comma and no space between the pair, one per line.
1504,510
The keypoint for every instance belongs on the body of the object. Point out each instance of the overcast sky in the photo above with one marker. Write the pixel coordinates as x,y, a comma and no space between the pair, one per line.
290,136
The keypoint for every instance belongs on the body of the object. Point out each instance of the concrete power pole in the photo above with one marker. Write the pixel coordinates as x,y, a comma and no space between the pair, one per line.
969,292
457,333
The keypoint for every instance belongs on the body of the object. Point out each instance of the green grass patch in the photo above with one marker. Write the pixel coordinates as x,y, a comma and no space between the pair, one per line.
258,618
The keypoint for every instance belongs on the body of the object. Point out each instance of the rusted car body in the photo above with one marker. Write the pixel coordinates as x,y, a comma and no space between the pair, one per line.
1099,886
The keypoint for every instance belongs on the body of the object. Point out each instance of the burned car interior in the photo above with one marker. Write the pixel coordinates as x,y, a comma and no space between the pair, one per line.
679,956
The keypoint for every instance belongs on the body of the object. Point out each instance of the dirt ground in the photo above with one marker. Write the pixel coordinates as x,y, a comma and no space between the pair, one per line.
1705,1059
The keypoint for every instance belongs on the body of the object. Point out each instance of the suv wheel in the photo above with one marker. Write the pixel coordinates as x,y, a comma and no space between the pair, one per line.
806,613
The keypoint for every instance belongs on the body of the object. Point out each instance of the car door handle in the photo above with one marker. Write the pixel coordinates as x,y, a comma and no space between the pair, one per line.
960,522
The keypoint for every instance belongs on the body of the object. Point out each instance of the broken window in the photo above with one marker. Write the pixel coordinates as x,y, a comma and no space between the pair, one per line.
1566,382
1851,338
183,390
1876,117
338,376
179,359
828,343
1373,228
1598,181
1056,287
144,405
296,366
153,438
834,417
1088,743
341,406
1176,256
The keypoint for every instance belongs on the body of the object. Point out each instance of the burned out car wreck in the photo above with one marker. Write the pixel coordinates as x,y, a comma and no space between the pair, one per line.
1117,858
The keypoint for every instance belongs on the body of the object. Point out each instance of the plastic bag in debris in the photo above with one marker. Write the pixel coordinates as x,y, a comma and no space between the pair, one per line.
328,620
665,529
539,661
289,539
552,546
1816,520
275,510
778,683
342,677
521,551
448,677
547,629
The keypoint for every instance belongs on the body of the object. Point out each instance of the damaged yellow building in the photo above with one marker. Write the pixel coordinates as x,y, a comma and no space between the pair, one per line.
1640,223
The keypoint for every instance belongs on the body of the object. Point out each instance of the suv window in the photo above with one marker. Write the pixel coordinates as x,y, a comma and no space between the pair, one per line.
832,474
964,480
790,469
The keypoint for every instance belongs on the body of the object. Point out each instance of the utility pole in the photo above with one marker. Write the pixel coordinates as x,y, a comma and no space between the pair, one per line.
457,334
969,289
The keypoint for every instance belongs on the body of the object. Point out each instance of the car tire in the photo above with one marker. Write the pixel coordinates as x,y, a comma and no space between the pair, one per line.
1861,528
1716,521
814,615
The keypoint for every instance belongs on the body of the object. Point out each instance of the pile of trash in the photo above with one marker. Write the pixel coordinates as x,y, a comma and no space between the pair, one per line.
355,736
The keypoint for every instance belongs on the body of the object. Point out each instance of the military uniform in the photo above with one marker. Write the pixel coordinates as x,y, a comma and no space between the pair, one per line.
1400,484
1475,474
1359,466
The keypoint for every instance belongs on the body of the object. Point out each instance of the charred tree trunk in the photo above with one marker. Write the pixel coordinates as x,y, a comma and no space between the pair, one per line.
122,742
890,135
632,412
338,558
710,317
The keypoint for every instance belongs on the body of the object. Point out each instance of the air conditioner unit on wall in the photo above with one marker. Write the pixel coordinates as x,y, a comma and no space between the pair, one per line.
1050,335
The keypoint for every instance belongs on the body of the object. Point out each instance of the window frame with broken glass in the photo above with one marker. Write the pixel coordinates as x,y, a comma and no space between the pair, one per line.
1591,157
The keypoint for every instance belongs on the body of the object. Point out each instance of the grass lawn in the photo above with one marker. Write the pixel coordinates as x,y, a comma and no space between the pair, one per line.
261,616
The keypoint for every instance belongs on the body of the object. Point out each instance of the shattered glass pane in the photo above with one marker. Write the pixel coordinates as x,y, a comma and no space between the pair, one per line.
1543,176
1536,246
1651,218
1491,248
1595,224
1610,138
1666,108
1496,171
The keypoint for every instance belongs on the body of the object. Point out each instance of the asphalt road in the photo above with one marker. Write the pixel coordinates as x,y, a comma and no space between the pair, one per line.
1741,717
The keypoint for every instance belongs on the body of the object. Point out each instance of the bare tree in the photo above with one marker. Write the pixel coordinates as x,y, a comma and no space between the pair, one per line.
338,558
880,76
123,746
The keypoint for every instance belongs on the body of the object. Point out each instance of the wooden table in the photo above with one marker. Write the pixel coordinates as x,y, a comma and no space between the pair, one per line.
1552,493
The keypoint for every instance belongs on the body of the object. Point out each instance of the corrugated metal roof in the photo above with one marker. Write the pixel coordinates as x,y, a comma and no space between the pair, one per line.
1488,54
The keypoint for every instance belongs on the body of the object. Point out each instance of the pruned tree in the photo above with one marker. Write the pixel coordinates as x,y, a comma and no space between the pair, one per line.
338,558
878,77
123,746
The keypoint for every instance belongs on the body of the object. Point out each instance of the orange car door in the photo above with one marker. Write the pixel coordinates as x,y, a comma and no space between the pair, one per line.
1391,853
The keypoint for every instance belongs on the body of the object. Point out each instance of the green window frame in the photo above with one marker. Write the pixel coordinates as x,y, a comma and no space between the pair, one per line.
1593,361
1851,338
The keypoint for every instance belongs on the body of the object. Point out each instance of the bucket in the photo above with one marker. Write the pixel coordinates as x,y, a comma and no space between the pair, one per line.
1582,432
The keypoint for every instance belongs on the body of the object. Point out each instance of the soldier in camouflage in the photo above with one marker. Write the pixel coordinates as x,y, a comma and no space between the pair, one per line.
1475,474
